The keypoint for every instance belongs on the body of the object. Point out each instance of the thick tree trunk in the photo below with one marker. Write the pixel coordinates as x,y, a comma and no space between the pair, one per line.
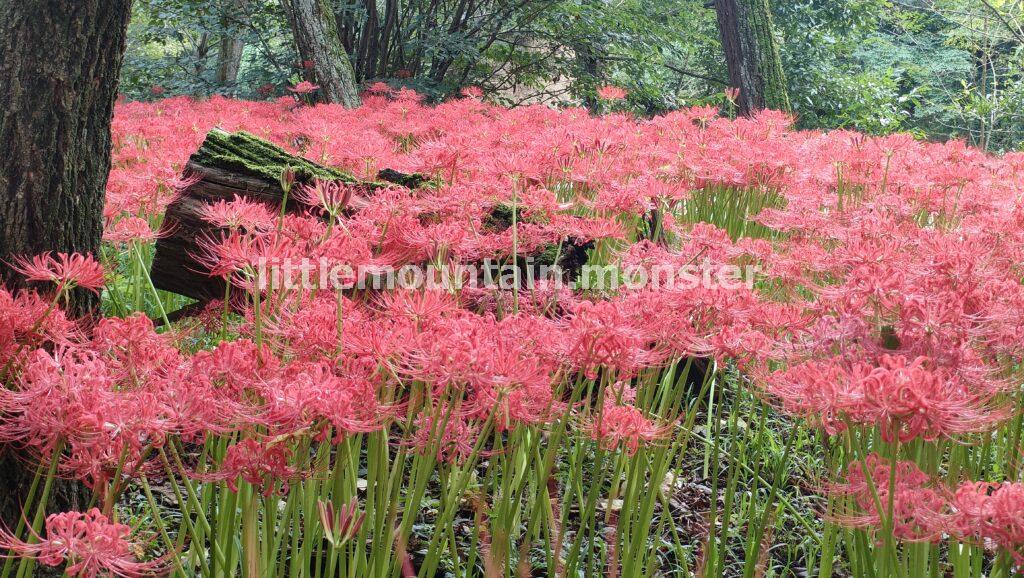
59,66
316,35
752,54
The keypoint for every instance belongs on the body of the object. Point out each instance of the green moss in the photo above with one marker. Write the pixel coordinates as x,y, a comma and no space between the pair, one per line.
500,217
252,156
547,256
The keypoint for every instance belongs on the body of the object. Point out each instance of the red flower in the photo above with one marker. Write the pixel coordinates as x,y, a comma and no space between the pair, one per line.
611,93
240,213
994,512
620,424
130,229
340,525
328,197
732,94
89,543
304,87
259,464
920,512
64,270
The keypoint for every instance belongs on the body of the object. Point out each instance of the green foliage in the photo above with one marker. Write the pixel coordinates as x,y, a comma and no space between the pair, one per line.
939,69
173,46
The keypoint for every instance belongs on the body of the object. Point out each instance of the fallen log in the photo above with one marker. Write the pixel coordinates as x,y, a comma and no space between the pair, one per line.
226,165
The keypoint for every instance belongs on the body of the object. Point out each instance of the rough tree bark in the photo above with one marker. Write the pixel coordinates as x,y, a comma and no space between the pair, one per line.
230,48
229,60
316,35
59,66
752,54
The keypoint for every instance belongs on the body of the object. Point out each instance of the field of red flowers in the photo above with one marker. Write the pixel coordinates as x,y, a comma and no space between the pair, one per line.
852,409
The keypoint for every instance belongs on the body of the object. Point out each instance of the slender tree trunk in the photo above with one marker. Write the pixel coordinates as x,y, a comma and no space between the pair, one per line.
752,54
202,51
368,39
230,48
316,35
59,66
229,60
390,21
588,60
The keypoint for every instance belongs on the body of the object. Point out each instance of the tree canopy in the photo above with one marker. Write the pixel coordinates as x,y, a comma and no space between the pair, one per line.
936,68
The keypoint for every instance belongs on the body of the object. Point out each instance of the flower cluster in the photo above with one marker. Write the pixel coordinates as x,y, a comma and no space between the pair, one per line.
89,543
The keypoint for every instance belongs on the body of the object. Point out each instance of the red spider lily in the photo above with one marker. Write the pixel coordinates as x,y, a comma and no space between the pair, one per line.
304,87
378,88
619,424
328,197
66,271
342,525
513,388
129,229
27,321
247,260
310,393
104,410
240,214
452,442
920,511
905,398
261,464
985,511
603,334
611,93
90,544
732,94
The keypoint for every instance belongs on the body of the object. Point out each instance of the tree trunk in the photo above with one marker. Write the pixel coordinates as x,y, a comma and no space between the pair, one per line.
368,40
752,54
316,35
230,48
229,60
59,66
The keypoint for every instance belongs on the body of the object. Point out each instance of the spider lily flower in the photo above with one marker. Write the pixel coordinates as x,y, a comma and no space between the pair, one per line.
611,93
342,525
327,197
304,87
240,214
261,464
66,271
986,511
920,508
132,229
89,544
622,425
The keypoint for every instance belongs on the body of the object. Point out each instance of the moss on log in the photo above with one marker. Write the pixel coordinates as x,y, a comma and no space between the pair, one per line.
250,156
228,165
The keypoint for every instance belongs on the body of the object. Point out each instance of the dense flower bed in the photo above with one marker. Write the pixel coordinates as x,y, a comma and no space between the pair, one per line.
886,312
